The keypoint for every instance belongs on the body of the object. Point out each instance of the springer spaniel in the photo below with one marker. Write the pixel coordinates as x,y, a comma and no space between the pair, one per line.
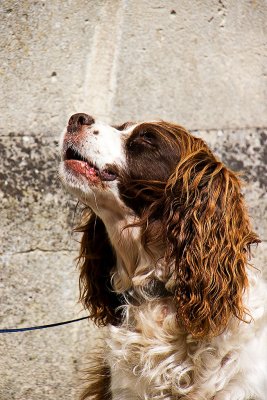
164,265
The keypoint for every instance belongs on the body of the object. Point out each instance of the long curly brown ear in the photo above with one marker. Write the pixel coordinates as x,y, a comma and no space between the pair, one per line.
96,260
209,237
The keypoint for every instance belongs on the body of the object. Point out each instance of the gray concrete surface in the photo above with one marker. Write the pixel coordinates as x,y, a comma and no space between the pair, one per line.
199,63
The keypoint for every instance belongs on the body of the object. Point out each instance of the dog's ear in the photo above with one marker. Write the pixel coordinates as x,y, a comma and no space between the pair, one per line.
96,261
209,237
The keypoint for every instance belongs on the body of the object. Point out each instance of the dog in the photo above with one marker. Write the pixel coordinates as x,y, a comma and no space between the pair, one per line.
165,264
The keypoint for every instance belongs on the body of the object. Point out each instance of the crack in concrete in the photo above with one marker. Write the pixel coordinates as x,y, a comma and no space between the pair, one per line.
37,249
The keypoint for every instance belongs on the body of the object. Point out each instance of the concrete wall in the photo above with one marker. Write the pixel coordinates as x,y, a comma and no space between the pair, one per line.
199,63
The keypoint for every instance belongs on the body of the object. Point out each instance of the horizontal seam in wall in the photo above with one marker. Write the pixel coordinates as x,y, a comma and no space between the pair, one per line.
40,135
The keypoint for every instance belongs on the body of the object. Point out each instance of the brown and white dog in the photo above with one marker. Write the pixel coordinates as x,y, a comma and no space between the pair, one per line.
164,264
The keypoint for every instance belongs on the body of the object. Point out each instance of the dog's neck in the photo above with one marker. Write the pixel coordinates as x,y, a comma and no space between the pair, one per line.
132,261
134,265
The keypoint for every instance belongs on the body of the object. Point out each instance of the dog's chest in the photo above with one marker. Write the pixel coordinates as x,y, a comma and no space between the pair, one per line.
155,360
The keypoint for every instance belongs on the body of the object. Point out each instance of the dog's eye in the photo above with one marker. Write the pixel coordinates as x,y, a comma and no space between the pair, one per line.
147,136
142,140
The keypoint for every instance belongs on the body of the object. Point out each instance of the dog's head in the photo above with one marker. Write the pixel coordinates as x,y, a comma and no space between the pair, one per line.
163,189
101,162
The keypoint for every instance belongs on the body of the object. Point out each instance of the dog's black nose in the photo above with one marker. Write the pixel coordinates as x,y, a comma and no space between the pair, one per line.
77,120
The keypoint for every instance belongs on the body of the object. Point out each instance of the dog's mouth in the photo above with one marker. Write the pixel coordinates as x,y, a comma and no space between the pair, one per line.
86,167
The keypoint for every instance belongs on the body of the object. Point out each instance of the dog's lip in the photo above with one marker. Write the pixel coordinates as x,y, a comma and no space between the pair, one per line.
83,168
80,164
73,154
107,175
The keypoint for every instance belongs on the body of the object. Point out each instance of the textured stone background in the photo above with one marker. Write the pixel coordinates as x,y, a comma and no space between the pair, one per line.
199,63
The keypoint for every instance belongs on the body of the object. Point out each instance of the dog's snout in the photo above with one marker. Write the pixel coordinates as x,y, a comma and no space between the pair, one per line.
78,120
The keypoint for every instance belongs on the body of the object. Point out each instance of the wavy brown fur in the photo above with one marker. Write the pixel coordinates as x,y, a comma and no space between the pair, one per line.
98,375
96,260
210,236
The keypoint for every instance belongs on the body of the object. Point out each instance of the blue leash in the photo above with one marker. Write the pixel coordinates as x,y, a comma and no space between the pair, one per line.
34,328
